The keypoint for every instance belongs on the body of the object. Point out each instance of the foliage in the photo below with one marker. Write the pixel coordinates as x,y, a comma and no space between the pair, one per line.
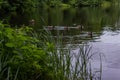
26,5
17,5
27,55
76,2
19,50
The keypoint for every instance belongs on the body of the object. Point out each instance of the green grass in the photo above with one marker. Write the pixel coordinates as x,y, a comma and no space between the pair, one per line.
106,4
69,65
65,6
29,55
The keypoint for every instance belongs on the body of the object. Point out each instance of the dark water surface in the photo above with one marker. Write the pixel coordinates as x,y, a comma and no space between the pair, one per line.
99,26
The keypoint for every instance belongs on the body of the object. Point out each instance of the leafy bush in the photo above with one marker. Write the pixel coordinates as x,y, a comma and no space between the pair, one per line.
17,5
27,55
22,52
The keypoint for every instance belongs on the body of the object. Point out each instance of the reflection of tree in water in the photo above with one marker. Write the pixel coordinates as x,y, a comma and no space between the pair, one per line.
71,35
93,19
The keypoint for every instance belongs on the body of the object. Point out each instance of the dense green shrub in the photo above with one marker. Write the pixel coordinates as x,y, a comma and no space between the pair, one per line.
17,5
26,55
76,2
21,52
28,5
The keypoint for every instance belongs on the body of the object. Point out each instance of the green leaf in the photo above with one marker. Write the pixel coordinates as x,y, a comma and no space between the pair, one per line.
10,45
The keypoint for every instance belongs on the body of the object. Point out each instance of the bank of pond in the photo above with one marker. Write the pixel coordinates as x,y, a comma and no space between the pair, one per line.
27,5
29,55
39,38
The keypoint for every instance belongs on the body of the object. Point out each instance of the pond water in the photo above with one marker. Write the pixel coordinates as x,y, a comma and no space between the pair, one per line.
100,27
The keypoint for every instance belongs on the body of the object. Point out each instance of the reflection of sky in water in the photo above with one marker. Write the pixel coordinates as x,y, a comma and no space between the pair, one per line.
110,37
108,45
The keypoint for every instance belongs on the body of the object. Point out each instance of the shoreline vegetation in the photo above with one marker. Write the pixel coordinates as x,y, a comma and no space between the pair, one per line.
27,5
27,55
